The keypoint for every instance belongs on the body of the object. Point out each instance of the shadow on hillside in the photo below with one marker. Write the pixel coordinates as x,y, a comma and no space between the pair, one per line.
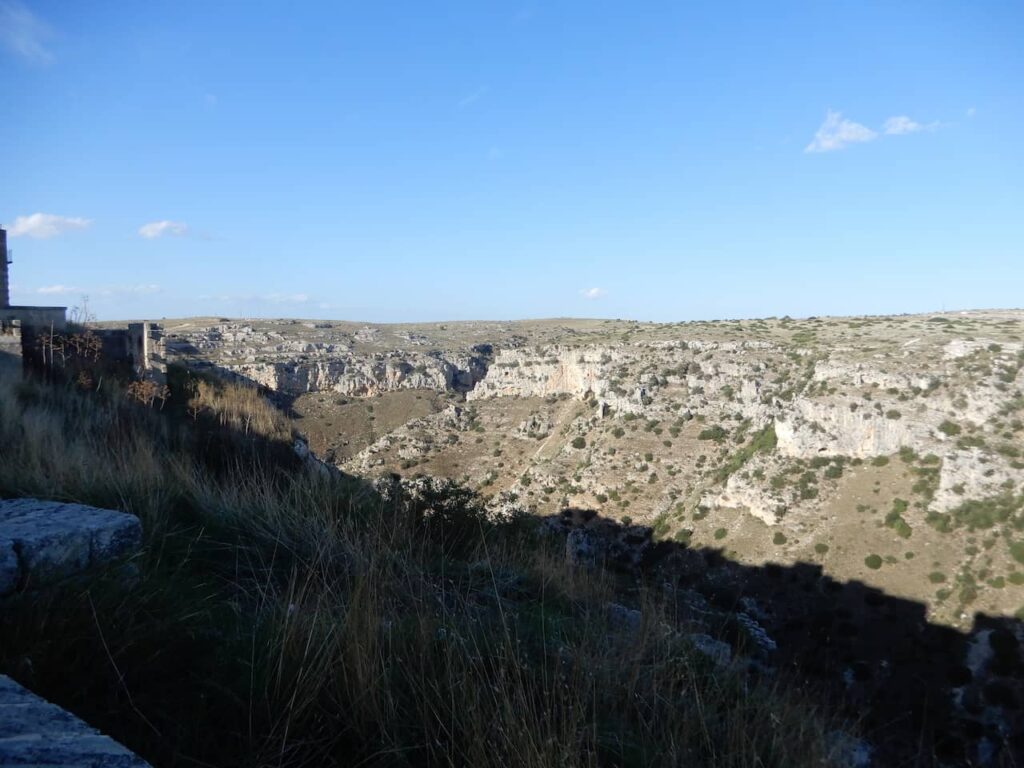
923,693
202,367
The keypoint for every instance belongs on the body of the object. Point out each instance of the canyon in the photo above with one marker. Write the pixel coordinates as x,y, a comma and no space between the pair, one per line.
888,450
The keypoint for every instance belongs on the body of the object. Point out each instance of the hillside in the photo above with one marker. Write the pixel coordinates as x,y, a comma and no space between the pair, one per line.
548,543
887,449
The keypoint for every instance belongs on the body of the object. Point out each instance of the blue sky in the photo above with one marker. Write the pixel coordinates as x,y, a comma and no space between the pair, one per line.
460,160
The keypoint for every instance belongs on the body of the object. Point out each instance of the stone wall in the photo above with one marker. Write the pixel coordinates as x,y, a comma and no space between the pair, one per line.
5,295
43,318
135,351
139,346
10,342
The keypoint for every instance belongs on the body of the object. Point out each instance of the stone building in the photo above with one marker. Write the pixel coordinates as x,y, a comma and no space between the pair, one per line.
140,346
54,318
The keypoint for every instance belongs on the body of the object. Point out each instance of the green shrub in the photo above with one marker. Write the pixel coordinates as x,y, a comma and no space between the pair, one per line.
949,428
985,513
683,535
1017,551
579,443
763,442
874,562
716,433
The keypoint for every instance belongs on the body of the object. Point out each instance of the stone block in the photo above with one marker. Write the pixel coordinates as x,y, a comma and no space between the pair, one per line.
34,732
52,540
8,566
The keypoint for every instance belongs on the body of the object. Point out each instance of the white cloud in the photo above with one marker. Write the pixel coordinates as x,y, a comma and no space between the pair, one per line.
44,225
971,112
155,229
837,132
593,293
900,125
22,33
119,290
53,289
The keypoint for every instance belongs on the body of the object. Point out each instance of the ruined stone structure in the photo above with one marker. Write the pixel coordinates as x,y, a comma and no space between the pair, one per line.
139,347
42,317
5,287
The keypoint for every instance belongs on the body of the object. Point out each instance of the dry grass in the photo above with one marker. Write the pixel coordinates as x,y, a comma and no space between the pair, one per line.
281,619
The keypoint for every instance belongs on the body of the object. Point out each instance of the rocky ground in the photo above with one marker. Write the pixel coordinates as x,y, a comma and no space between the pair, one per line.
886,450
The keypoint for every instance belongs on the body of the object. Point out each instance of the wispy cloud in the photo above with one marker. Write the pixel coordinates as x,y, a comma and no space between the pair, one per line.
44,225
286,298
593,293
155,229
265,298
475,96
142,289
838,132
971,112
22,33
901,125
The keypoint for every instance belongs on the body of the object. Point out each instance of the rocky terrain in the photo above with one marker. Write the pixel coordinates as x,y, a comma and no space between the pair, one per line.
886,450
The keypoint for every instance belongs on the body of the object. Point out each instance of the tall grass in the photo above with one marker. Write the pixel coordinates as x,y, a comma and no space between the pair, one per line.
284,619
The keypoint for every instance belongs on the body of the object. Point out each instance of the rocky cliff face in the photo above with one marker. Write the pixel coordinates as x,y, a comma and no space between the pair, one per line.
821,440
349,365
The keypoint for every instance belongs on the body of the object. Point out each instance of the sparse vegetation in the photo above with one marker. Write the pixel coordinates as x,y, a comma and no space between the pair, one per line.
949,428
265,593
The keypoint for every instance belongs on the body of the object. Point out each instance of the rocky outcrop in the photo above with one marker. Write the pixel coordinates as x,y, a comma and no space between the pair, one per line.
551,371
811,427
353,375
353,365
42,542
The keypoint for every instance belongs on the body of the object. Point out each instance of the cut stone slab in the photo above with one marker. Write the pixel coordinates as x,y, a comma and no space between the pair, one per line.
9,568
51,540
34,732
